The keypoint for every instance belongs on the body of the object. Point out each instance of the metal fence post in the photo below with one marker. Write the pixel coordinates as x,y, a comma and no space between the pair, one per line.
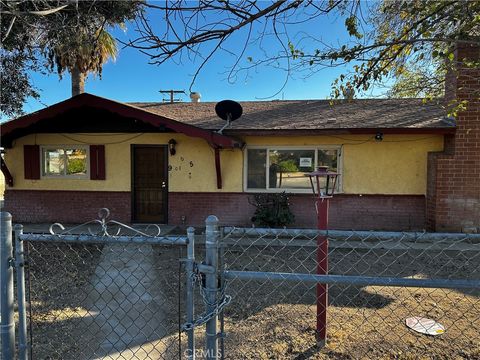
22,309
7,324
190,288
211,285
221,267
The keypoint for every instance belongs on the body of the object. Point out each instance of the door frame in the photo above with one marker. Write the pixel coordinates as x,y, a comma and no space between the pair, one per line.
132,178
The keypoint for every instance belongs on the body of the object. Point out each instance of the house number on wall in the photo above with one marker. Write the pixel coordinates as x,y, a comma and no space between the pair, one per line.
179,168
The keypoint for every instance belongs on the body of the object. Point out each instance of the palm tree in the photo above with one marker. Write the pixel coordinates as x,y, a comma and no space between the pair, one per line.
84,54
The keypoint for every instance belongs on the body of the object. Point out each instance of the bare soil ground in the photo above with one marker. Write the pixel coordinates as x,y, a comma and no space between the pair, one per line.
269,320
277,320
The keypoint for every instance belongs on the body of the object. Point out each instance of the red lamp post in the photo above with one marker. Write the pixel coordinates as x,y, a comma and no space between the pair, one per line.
323,184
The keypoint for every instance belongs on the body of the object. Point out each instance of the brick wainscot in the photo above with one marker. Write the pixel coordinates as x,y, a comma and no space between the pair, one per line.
359,212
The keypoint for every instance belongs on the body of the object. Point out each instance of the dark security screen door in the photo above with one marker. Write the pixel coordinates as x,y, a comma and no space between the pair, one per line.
149,183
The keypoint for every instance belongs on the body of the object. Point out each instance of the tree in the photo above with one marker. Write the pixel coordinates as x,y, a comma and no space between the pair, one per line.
15,84
386,38
81,55
51,34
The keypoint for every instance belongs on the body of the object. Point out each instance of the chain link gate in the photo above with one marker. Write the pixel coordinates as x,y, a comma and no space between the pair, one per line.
101,290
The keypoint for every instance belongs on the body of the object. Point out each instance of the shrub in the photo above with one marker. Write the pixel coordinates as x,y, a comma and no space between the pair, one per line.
76,166
272,210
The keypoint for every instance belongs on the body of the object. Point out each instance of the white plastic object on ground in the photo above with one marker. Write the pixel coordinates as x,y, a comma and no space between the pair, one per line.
424,325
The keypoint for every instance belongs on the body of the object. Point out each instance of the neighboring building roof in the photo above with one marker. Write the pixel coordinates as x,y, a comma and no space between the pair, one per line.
312,114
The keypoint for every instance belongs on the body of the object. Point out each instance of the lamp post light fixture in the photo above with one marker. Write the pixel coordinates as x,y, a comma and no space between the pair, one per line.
323,184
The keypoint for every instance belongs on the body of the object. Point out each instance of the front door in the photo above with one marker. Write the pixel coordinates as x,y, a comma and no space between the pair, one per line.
149,183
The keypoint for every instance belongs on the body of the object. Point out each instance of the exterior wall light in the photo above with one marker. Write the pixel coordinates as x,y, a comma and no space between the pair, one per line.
171,146
323,184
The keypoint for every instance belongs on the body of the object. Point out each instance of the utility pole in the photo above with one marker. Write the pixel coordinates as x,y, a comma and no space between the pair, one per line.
172,95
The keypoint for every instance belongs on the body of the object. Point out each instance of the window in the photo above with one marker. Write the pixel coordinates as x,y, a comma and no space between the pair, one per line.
64,161
284,169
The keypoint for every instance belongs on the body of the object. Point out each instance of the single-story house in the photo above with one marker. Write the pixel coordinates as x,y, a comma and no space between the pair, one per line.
404,164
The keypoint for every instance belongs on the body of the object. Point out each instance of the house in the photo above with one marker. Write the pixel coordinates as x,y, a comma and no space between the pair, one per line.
404,164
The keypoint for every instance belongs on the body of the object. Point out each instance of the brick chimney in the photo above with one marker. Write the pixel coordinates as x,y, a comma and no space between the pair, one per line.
453,184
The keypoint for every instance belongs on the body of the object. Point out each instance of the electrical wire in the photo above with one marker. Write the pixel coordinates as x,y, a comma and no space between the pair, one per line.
102,143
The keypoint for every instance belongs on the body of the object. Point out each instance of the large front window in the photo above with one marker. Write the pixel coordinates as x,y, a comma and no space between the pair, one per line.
64,161
276,168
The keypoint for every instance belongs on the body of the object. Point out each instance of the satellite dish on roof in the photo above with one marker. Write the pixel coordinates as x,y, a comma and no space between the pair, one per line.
229,111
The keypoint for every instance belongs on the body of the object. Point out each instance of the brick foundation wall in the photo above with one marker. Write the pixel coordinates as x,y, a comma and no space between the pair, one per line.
34,206
367,212
453,194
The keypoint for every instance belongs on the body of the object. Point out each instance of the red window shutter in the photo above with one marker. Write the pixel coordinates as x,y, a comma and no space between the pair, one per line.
31,161
97,162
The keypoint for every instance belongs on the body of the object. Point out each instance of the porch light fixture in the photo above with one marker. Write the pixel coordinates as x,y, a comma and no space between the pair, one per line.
329,183
171,146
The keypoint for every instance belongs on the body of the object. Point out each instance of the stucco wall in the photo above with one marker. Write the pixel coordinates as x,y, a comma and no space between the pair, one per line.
2,185
192,168
396,165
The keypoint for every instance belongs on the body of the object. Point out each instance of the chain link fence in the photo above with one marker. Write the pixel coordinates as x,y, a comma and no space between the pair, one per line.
117,299
135,296
276,319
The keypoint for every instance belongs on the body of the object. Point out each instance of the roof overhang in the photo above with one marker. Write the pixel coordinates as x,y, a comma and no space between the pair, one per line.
341,131
31,123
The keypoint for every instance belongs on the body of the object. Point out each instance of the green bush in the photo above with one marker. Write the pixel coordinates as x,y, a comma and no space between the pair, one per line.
272,210
76,166
288,166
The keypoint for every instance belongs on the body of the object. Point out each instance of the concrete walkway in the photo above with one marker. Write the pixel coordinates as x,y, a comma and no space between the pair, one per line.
127,305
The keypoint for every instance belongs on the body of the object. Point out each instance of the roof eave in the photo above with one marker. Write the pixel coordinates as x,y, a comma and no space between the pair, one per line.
341,131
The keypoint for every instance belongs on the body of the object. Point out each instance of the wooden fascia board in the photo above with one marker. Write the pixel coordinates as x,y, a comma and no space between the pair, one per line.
351,131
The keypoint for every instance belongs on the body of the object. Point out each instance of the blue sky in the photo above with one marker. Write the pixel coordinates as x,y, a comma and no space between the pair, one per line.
131,78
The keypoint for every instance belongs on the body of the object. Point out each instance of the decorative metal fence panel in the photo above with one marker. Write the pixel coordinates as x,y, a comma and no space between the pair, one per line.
274,315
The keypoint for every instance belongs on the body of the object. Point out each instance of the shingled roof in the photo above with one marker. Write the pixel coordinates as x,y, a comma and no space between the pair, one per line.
312,115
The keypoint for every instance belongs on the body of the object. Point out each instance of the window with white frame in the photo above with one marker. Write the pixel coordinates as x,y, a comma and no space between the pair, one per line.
65,161
284,168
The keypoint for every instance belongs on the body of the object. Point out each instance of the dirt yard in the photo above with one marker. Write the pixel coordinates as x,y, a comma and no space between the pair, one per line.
269,320
277,320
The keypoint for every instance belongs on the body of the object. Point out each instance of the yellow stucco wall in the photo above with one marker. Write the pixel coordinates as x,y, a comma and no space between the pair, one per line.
396,165
193,167
2,185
